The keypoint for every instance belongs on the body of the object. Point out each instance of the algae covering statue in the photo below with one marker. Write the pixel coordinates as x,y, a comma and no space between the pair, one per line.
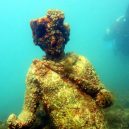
64,83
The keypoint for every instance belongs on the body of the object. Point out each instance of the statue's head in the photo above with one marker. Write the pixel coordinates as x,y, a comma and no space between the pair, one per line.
50,32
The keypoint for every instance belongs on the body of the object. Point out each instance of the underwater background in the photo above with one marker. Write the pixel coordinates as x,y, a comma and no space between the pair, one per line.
88,21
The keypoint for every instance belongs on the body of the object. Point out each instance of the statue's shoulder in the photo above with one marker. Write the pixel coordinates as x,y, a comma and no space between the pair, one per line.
37,63
37,68
79,59
80,64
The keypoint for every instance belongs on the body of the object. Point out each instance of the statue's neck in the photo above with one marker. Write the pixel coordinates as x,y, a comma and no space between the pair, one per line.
55,57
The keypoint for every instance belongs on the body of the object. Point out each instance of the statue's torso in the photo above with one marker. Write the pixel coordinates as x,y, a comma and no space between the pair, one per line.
67,105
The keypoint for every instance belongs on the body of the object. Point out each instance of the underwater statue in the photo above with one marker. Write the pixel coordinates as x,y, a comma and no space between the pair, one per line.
64,83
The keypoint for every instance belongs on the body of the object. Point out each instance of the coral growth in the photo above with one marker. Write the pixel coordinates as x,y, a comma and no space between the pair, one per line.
65,84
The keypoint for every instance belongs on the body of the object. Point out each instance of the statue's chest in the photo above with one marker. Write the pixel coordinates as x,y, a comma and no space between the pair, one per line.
52,83
58,92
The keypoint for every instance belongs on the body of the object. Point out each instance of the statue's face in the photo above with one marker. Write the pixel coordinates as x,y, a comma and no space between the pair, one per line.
50,33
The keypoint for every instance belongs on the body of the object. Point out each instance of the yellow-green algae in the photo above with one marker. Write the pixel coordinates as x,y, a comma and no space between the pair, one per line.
68,105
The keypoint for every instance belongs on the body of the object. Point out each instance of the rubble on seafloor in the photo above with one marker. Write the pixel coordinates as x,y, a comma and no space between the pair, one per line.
117,117
3,125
